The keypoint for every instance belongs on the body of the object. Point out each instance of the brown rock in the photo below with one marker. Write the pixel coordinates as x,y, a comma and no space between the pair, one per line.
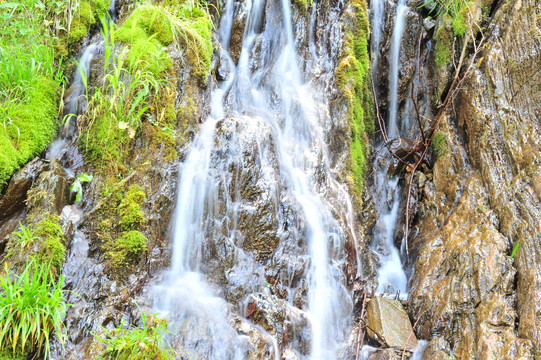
20,183
389,319
386,354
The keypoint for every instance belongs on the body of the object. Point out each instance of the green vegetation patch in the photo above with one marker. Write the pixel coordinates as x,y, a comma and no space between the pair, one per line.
123,219
439,144
87,13
29,127
156,26
30,80
353,79
138,343
32,309
131,214
45,241
444,46
128,248
52,247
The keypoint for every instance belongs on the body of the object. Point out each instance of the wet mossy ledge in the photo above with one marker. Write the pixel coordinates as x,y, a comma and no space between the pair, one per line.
353,80
142,48
30,127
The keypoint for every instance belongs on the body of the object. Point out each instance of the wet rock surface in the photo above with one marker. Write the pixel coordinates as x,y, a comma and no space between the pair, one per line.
16,192
388,323
481,201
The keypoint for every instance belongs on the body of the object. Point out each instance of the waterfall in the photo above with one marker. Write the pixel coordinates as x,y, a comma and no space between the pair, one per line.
394,62
391,275
271,96
378,19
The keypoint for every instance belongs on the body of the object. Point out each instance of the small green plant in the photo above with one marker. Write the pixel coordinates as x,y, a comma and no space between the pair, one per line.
32,308
140,343
77,186
515,249
26,236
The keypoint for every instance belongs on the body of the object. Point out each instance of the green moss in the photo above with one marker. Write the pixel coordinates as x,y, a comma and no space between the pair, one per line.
145,21
81,22
100,8
104,142
444,43
9,355
52,248
131,214
302,4
128,248
439,144
353,79
150,27
32,127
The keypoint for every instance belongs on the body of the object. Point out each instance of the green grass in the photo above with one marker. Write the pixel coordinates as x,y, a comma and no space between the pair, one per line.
32,309
30,78
140,343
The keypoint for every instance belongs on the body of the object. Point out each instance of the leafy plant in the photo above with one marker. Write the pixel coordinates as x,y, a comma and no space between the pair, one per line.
32,308
140,343
77,186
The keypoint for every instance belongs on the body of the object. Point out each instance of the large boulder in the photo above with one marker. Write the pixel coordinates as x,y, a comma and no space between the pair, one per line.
388,323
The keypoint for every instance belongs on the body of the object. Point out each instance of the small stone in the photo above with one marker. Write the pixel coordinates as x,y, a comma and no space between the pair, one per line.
429,23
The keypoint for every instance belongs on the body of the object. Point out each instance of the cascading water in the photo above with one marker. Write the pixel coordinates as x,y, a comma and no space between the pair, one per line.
394,62
378,19
270,96
391,275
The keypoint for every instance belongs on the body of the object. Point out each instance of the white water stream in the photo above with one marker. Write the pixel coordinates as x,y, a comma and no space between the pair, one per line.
391,275
274,96
394,63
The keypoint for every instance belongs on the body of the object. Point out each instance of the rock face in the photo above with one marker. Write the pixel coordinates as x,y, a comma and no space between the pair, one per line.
389,319
20,183
483,201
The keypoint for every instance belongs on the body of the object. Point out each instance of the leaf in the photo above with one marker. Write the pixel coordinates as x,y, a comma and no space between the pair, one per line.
77,189
515,249
84,177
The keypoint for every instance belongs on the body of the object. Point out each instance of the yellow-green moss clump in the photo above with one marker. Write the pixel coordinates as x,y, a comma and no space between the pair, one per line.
128,248
52,248
353,79
444,46
439,144
131,214
88,13
151,27
30,129
120,231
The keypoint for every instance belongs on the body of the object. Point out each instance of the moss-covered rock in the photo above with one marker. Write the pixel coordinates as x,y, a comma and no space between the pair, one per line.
33,126
131,214
52,244
128,248
353,80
